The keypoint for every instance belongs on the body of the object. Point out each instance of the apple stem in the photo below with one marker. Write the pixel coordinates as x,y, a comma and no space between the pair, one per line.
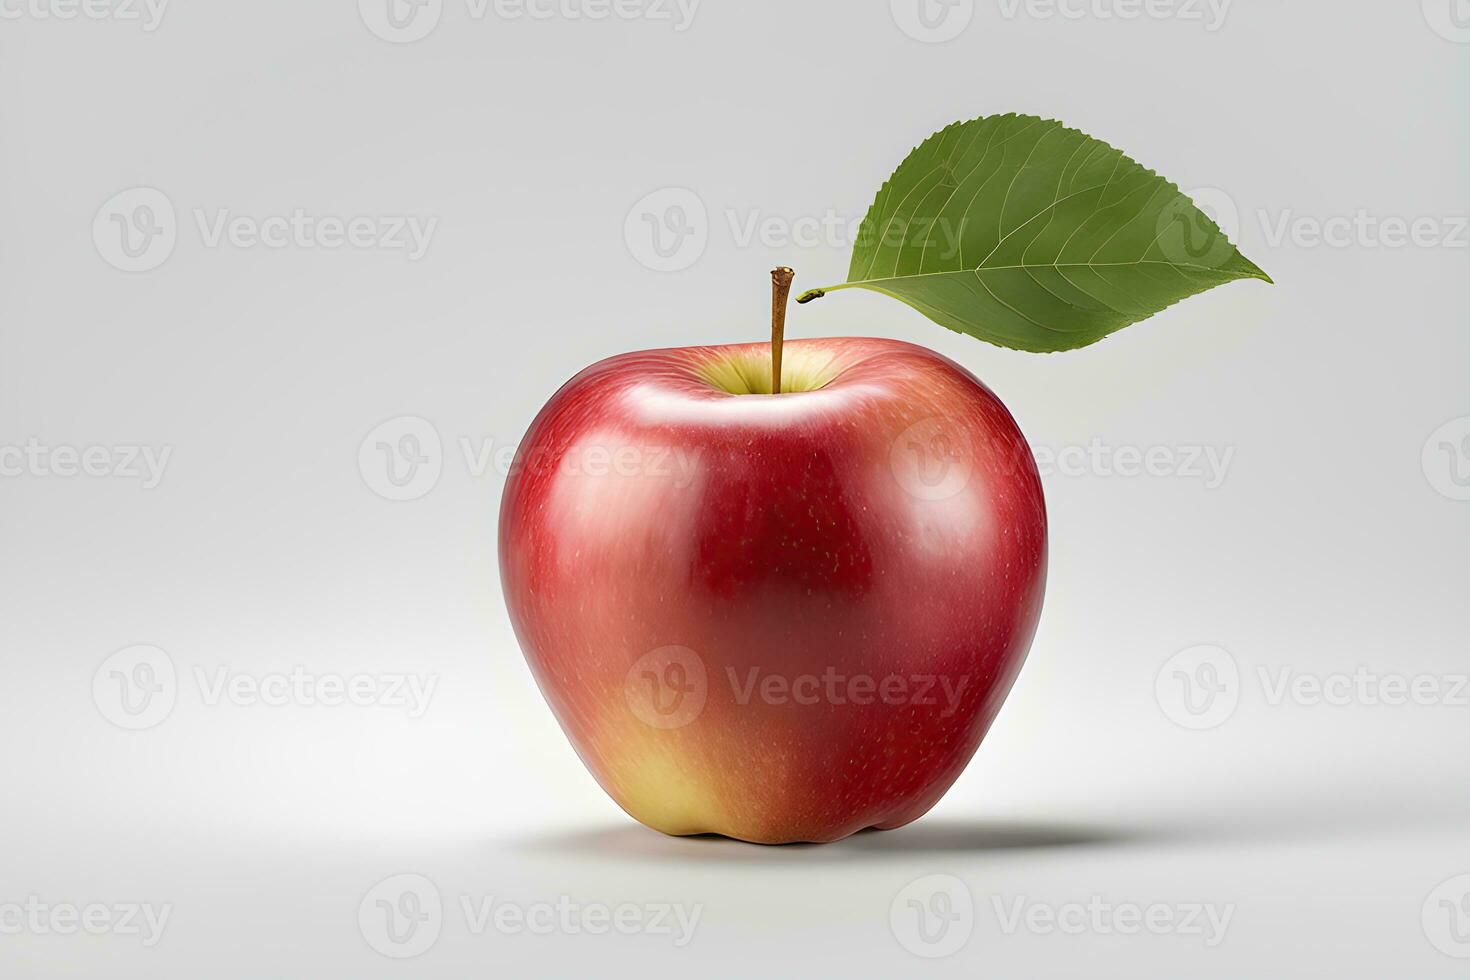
781,279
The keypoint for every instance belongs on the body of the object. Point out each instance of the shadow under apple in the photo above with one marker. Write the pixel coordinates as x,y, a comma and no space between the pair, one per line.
922,837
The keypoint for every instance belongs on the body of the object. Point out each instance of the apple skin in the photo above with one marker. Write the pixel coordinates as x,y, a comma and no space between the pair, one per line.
713,589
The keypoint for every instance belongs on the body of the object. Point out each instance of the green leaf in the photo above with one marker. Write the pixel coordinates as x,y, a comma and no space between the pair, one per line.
1030,235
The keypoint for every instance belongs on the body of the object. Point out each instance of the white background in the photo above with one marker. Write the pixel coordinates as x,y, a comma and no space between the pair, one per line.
1334,541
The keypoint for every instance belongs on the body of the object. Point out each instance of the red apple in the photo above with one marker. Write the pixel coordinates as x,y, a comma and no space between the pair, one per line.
775,617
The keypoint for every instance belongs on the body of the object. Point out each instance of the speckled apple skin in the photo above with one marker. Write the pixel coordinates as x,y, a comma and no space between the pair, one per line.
888,525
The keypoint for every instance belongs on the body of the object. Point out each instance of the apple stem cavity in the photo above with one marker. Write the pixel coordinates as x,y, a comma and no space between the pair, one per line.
781,279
